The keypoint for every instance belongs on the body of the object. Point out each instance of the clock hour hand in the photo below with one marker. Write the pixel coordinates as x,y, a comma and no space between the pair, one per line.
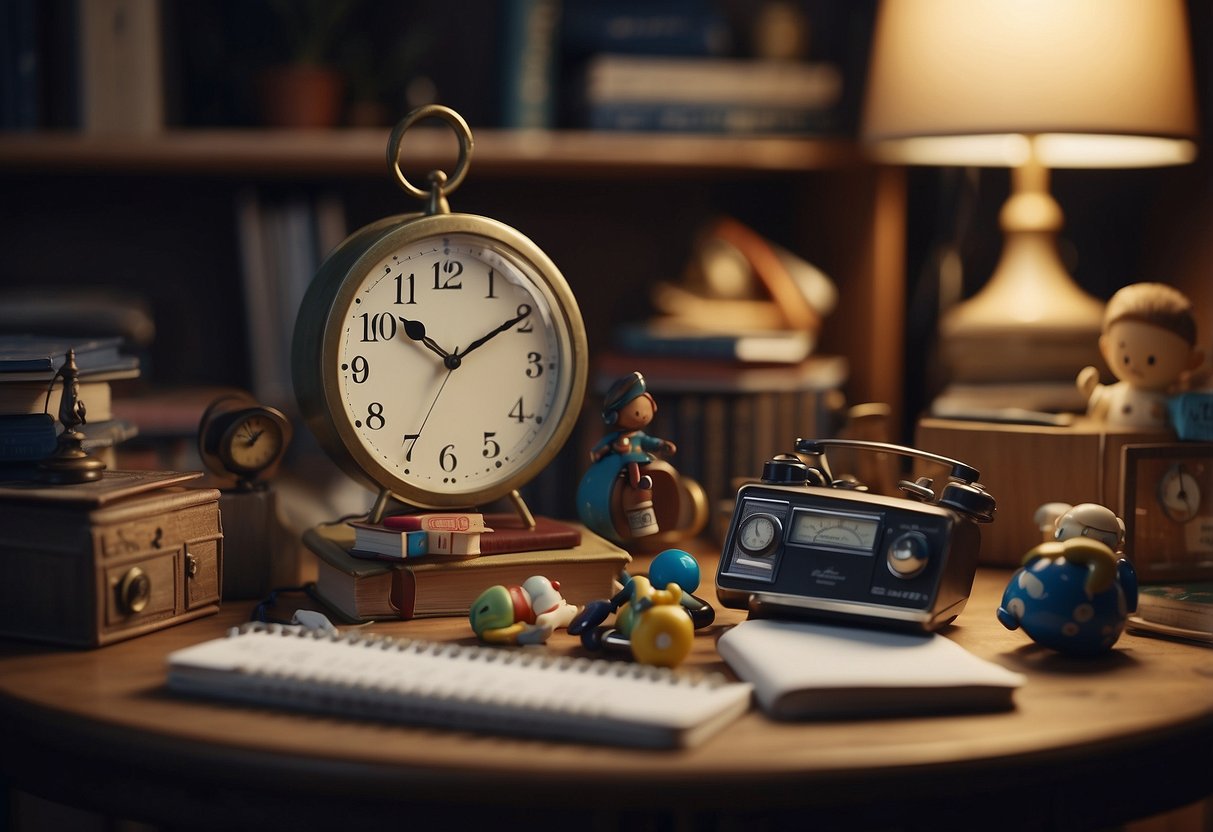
523,312
415,330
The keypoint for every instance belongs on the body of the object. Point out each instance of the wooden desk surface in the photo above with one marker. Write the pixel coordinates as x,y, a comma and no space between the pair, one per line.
1089,744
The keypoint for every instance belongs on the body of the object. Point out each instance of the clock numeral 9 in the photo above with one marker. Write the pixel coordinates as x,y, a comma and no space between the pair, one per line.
379,327
361,369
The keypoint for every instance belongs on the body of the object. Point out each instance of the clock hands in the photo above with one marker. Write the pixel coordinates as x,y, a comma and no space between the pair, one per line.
523,311
415,330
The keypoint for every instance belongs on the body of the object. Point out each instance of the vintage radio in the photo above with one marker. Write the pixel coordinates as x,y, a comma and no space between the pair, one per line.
93,563
803,543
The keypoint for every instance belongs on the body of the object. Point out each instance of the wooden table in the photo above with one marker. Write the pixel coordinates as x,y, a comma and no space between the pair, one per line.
1090,744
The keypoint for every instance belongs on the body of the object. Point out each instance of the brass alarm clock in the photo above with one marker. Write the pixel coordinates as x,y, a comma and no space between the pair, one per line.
439,358
242,438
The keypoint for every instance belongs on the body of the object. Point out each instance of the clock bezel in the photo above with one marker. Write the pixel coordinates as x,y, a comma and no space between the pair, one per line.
320,330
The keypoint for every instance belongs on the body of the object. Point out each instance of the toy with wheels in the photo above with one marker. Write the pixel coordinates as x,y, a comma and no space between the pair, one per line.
656,618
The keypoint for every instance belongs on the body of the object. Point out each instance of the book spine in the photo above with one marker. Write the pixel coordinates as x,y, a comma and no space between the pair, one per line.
643,28
121,66
454,543
444,522
529,58
708,118
27,437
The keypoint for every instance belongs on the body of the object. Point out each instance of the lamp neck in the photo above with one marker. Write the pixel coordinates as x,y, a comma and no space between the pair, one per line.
1030,208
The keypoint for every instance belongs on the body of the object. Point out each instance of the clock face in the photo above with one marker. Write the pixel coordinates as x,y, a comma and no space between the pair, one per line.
253,443
1179,494
454,361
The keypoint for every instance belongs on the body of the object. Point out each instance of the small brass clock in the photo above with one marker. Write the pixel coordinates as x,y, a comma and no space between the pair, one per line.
239,437
1167,510
439,358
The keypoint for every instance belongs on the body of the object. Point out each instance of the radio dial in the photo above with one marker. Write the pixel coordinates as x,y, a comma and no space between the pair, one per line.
908,554
759,534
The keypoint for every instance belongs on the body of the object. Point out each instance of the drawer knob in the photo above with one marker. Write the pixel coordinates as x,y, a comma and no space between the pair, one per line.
134,590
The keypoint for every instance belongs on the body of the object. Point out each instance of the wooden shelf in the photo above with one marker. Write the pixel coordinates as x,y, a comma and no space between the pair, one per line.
363,151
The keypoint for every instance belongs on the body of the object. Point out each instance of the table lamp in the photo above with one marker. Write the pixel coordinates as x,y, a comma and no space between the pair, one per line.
1031,85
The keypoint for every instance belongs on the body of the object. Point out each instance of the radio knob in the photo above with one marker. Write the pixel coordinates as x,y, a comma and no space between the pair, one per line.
907,555
785,469
134,590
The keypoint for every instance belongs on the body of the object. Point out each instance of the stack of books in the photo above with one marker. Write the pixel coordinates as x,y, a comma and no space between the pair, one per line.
30,394
367,572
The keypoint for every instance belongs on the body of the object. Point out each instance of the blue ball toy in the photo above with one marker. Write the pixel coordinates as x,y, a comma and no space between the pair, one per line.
1072,596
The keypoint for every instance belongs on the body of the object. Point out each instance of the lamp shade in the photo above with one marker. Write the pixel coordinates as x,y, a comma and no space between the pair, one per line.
1095,83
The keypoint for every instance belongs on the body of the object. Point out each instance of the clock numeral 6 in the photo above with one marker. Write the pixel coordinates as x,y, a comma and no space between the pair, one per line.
446,458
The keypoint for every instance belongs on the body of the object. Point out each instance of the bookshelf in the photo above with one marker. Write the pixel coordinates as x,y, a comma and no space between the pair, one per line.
616,211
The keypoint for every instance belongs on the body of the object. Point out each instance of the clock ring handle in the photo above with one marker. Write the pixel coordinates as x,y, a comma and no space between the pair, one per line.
440,183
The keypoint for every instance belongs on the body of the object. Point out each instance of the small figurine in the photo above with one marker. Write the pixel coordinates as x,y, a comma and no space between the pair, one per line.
656,617
69,463
1149,344
1073,594
1091,520
616,497
526,614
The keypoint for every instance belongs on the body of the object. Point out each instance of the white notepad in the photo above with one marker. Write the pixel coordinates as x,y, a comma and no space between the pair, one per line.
804,670
522,691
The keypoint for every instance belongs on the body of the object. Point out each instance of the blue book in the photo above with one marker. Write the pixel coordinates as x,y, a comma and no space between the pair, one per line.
529,57
656,27
769,346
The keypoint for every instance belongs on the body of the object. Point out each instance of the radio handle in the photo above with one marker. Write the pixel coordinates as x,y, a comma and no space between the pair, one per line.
960,471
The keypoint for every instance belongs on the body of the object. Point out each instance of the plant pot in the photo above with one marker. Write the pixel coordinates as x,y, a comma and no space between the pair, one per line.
299,95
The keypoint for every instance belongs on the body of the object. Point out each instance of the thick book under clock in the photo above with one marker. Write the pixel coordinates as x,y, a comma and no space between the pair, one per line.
525,692
363,590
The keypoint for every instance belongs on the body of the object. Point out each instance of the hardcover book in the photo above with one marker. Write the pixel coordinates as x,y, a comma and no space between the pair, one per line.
1183,610
364,590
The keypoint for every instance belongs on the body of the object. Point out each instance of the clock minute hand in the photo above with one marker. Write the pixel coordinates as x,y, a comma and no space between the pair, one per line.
523,312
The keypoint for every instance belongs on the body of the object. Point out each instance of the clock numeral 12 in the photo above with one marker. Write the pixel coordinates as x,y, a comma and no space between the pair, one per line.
453,269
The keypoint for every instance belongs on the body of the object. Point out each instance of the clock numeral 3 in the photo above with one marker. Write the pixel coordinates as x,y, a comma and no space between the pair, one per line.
534,367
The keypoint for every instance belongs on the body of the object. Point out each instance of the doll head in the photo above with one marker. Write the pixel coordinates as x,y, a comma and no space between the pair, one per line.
1149,336
628,404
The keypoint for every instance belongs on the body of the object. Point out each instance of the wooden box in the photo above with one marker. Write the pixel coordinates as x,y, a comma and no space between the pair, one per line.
1025,466
85,566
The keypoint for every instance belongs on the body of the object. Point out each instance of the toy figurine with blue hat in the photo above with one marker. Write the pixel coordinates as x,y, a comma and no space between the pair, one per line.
628,488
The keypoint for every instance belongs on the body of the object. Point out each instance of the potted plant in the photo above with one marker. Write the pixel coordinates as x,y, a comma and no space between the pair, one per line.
305,89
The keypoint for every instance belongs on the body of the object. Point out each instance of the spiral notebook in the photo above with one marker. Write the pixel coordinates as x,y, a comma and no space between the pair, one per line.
521,691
